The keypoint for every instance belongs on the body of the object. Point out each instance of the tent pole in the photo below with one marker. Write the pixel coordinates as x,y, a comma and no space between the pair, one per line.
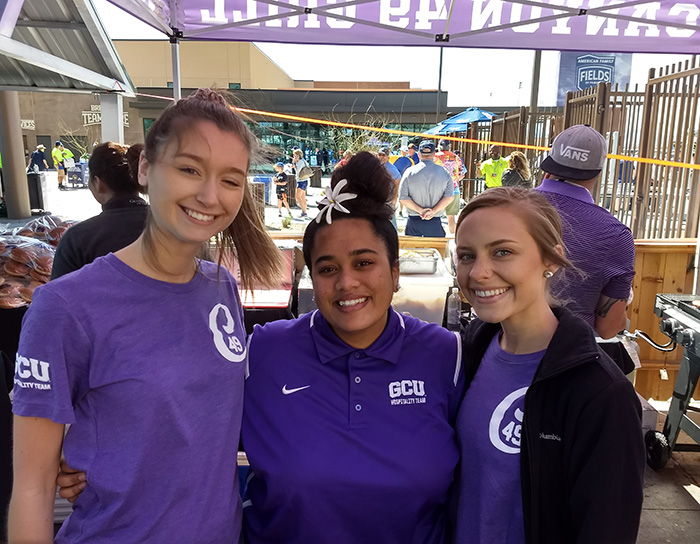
534,94
437,108
175,54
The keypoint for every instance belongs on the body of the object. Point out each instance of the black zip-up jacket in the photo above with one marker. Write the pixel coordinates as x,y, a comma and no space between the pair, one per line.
582,452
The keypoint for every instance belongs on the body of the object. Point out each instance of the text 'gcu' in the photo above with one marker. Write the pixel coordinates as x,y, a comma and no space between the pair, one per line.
31,368
407,388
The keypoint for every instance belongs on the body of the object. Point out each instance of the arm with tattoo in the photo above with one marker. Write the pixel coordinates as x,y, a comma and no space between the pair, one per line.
610,316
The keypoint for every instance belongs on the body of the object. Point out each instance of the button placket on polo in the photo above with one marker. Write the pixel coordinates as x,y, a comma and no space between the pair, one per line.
357,399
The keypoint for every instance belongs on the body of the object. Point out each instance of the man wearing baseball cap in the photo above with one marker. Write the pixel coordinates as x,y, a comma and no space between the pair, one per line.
599,245
413,153
426,190
37,162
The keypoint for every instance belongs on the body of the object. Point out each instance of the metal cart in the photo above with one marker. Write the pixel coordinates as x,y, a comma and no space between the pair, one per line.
680,321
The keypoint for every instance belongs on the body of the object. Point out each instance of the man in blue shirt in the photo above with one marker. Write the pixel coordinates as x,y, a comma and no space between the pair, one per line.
37,162
403,162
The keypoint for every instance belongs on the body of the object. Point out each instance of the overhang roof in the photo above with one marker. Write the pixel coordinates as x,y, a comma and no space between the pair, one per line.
57,45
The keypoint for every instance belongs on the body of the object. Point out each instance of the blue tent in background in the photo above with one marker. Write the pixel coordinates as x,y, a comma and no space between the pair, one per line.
461,121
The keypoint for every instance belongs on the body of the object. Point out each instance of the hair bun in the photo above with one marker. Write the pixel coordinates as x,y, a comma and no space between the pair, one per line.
370,181
208,95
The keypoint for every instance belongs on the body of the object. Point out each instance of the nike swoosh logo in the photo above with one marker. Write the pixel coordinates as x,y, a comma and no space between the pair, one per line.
286,391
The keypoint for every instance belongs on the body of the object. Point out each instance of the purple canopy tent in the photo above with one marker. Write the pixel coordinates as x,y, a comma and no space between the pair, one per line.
663,26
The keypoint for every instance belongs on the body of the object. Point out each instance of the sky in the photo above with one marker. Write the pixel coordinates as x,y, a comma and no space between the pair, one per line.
471,77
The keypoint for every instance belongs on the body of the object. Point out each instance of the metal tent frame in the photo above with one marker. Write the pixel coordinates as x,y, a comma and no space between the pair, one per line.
664,26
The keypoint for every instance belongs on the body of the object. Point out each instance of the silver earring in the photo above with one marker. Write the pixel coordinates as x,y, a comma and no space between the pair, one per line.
548,274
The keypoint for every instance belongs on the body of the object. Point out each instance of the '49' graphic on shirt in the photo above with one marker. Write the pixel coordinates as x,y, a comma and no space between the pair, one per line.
228,345
505,427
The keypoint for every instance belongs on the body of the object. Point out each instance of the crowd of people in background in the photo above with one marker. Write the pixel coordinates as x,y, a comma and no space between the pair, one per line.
408,165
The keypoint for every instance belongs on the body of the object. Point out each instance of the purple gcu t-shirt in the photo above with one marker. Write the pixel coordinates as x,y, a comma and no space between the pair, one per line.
596,243
489,429
150,376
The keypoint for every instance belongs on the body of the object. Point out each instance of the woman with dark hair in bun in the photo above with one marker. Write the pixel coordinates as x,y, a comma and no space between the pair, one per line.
114,183
349,410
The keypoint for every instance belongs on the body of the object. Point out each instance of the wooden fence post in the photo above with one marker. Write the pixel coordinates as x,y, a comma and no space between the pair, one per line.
600,107
643,184
567,109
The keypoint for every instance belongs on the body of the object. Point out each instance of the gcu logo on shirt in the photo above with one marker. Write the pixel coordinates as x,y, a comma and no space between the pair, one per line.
26,368
574,153
226,343
407,392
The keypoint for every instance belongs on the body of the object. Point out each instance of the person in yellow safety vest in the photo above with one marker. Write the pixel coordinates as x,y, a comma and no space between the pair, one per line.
57,156
493,168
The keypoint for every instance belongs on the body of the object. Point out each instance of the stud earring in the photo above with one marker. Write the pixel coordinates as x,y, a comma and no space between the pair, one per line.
548,274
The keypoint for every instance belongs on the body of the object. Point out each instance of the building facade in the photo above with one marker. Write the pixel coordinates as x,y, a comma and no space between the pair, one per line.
256,83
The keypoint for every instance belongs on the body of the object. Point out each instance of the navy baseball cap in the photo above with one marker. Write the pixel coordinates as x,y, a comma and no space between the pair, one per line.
427,146
384,151
58,142
280,164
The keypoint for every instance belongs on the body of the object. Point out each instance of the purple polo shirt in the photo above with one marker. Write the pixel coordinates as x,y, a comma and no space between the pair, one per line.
350,445
599,246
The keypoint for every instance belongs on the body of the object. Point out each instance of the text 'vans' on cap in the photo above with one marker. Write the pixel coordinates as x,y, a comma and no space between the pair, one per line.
578,153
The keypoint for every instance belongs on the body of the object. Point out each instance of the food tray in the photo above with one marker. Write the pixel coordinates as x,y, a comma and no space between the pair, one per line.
418,261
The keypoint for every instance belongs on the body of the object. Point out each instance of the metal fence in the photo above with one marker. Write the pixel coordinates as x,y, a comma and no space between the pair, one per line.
666,197
661,122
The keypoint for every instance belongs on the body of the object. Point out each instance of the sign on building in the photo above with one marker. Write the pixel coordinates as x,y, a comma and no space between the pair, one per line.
94,116
27,124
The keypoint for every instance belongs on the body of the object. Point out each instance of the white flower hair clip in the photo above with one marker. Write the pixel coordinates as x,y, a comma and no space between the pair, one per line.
332,201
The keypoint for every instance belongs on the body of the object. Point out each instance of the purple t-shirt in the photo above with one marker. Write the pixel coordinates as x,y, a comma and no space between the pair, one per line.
596,243
350,445
489,426
150,376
